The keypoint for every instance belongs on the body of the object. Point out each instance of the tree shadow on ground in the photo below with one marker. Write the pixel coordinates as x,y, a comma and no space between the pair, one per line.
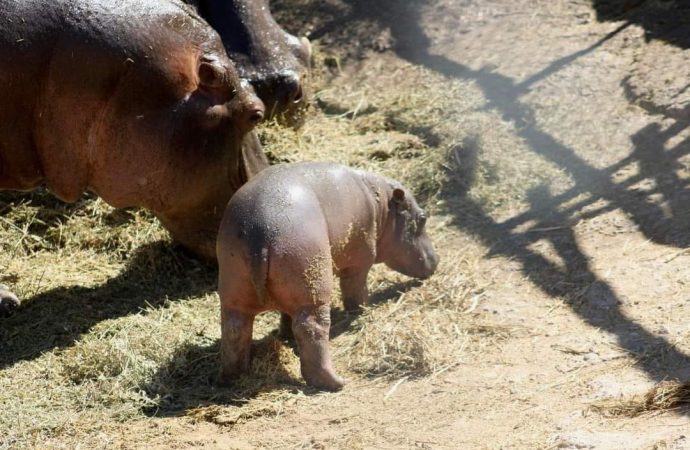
156,273
664,220
667,20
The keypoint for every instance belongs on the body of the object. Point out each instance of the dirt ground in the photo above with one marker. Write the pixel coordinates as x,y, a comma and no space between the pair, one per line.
551,143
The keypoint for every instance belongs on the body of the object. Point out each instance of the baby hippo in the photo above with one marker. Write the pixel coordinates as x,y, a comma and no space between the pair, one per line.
286,232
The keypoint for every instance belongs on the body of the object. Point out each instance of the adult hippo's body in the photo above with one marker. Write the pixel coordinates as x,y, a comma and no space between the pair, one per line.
135,101
275,62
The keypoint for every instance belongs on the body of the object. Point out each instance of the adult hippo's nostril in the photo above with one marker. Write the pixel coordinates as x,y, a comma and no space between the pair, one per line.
291,87
255,116
299,95
282,93
253,110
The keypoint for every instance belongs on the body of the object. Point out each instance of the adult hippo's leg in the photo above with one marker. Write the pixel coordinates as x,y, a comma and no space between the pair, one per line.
8,301
285,329
311,326
235,343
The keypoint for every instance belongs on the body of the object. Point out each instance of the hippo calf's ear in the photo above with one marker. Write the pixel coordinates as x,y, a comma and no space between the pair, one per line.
398,195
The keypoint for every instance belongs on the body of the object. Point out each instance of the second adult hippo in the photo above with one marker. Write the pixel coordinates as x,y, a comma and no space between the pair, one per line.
274,61
283,235
135,101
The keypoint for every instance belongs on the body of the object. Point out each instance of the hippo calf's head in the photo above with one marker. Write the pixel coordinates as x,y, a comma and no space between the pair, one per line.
405,246
275,62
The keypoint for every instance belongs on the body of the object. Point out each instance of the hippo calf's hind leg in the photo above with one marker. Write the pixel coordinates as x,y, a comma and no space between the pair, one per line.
311,326
353,285
8,301
235,344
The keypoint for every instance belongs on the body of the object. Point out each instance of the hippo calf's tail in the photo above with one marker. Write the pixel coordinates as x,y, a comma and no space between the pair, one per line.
259,268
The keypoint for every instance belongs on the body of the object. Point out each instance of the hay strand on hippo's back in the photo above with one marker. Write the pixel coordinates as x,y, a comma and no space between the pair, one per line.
665,396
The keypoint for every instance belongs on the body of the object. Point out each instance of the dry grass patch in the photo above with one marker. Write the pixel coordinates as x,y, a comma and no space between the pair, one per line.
419,332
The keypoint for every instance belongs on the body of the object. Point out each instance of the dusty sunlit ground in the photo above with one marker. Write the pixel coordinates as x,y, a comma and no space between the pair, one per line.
549,142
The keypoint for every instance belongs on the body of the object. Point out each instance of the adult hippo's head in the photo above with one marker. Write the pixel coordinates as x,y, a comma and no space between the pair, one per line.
275,62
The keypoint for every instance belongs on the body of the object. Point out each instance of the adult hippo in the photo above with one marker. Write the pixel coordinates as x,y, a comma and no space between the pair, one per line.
135,101
275,62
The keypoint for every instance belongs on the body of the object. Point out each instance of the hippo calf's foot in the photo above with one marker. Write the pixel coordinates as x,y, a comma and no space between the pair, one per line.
311,327
235,345
8,301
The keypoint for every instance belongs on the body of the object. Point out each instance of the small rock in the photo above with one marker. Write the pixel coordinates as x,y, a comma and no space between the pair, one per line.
592,357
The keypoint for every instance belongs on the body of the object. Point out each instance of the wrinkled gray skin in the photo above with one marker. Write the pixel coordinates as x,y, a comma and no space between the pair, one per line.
283,236
275,62
135,101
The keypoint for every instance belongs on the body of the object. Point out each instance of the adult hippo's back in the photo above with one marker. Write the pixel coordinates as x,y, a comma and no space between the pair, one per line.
135,101
275,62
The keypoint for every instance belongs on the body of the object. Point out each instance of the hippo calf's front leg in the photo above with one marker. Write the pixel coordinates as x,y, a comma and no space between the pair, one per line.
8,301
353,284
311,326
235,344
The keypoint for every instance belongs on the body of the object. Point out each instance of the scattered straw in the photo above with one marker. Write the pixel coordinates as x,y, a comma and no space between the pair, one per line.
665,396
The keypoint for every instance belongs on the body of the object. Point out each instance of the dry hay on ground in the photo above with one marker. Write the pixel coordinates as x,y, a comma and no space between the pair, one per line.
665,396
